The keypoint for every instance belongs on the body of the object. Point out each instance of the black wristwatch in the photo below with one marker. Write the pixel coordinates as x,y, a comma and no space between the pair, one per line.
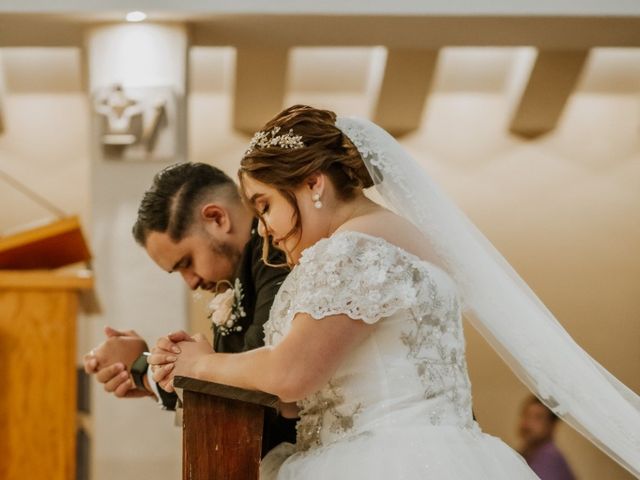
138,372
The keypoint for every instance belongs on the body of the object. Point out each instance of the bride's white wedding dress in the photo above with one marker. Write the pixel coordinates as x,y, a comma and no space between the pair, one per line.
399,407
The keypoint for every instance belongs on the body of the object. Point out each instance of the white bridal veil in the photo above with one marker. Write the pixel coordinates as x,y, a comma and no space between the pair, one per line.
502,307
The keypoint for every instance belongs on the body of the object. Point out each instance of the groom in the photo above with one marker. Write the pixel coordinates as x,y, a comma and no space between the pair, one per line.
192,221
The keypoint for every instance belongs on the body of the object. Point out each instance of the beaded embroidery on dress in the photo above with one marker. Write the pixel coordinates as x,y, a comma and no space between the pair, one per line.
400,404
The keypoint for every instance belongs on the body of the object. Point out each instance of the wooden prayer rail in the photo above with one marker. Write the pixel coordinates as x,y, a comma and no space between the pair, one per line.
222,430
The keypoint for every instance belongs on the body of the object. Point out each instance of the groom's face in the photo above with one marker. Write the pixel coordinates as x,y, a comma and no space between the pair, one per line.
201,257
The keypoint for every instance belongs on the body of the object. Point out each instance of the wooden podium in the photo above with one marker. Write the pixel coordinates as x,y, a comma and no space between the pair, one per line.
38,311
222,430
38,417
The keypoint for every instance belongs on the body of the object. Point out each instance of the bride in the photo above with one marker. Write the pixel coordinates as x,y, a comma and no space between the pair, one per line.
365,339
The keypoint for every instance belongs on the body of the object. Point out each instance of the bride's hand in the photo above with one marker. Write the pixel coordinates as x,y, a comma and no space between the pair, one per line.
163,354
185,364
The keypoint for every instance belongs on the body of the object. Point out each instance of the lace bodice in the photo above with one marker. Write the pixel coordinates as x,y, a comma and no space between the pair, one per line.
412,365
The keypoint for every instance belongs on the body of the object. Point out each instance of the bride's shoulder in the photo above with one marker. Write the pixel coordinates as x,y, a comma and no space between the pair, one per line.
388,226
395,230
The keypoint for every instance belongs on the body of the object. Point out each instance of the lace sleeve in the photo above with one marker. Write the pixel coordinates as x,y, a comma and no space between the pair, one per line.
363,277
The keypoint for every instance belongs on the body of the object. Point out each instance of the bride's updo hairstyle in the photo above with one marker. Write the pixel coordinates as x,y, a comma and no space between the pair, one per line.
297,143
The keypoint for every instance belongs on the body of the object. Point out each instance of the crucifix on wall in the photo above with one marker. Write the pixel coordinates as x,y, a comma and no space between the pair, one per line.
136,123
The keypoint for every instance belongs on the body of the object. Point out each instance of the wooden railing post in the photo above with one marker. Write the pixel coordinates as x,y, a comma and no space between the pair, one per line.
222,430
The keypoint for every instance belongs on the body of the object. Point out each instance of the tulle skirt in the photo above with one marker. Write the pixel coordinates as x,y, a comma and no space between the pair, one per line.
399,453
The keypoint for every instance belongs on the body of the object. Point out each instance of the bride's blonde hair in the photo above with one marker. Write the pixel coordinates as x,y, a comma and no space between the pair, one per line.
307,142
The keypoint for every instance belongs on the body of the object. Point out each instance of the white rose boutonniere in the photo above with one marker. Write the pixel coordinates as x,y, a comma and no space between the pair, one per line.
226,309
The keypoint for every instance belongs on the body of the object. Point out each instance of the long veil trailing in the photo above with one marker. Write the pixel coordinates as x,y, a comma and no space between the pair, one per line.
500,305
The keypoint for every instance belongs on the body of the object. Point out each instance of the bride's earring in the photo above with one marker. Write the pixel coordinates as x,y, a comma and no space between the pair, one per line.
316,200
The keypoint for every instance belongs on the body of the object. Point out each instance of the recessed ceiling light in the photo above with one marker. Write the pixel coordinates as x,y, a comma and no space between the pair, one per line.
136,16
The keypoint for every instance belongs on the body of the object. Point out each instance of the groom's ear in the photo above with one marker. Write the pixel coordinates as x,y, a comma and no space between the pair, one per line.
215,216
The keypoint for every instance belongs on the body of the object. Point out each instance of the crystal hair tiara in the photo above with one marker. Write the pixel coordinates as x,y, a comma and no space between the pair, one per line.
271,139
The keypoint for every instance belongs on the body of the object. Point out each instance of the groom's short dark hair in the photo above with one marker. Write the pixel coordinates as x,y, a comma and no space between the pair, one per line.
168,206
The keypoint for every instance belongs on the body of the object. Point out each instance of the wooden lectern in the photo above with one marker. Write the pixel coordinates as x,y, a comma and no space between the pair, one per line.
38,310
222,430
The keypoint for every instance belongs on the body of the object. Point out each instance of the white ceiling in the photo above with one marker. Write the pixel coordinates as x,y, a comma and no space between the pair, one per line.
195,8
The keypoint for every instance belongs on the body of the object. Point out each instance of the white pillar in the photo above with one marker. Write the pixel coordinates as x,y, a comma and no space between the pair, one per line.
133,438
2,93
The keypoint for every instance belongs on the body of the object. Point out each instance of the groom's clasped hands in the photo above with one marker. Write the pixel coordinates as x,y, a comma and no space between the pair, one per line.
176,354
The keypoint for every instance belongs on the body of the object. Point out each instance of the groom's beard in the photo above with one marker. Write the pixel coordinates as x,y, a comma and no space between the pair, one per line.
230,254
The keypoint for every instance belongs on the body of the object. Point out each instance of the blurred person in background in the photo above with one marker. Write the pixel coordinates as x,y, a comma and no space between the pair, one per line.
536,430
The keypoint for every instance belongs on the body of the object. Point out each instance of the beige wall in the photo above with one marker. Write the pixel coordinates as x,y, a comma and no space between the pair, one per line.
45,144
564,209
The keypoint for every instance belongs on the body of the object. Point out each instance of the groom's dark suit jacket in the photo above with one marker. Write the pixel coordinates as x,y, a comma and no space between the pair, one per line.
260,283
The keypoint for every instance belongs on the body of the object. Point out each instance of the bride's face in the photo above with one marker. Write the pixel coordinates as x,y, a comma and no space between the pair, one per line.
279,216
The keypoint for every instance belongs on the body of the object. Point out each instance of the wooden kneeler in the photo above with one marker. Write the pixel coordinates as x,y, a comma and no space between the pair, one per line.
222,430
